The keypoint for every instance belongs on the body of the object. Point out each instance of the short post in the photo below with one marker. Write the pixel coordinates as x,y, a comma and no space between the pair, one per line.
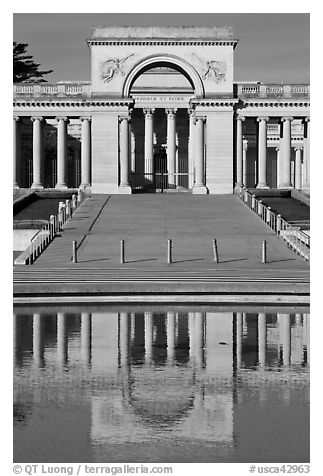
122,251
253,202
67,208
264,252
260,208
74,251
79,196
169,251
278,224
60,215
74,202
215,251
268,213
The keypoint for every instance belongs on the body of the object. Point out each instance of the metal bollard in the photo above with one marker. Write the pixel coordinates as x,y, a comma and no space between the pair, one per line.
74,251
169,251
122,251
264,252
215,251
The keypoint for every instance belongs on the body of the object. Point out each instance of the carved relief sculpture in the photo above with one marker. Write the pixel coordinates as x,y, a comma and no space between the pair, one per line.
112,67
215,70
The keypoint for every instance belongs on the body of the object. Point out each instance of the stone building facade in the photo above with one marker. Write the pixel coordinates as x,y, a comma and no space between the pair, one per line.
161,112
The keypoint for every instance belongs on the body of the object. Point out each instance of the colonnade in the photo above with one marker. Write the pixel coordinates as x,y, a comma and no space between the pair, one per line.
283,154
195,148
62,154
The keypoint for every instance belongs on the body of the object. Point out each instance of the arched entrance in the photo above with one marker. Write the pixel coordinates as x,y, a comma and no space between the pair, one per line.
161,152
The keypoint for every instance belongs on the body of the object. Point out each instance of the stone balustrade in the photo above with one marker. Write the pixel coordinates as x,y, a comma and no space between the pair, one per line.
61,89
273,90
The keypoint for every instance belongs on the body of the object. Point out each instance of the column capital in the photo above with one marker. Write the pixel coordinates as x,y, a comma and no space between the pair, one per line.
16,118
200,118
307,119
85,118
36,118
148,112
241,118
245,145
287,118
298,147
262,118
171,112
191,112
62,118
124,118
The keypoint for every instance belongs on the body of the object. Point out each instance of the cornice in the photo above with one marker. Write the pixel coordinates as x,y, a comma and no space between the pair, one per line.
77,104
271,103
160,42
214,102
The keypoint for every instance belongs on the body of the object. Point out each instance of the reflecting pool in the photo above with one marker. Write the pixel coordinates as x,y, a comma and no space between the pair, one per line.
157,384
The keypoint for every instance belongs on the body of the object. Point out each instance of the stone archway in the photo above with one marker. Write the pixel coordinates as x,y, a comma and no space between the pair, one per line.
171,61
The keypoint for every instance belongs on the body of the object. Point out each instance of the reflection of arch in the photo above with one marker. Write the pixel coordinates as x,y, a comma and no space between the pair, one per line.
172,61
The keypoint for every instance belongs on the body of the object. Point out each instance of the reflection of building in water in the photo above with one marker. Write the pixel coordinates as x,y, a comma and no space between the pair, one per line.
170,374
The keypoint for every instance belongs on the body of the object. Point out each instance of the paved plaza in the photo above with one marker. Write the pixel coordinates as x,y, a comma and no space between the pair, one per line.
146,222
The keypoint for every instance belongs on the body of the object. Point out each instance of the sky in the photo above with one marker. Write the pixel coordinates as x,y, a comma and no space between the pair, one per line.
273,47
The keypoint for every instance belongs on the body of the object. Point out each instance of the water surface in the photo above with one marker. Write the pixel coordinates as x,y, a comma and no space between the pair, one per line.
161,385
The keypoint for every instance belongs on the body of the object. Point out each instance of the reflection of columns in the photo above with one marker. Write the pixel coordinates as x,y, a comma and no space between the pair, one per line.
38,340
171,145
199,338
86,152
298,168
239,167
285,157
16,152
262,152
239,334
62,344
307,153
170,332
86,337
244,163
123,338
149,147
262,339
285,336
199,186
191,335
124,155
148,337
191,148
306,336
37,152
61,152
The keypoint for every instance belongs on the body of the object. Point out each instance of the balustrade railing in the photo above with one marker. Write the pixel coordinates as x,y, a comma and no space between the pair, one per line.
293,236
55,224
272,90
56,90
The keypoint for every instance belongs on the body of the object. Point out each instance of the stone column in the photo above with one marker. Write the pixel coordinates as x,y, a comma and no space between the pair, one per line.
262,339
16,152
86,337
199,186
239,166
278,166
149,142
285,154
244,163
38,170
61,152
298,167
262,152
86,152
170,333
124,186
239,334
171,146
191,148
148,337
307,139
132,152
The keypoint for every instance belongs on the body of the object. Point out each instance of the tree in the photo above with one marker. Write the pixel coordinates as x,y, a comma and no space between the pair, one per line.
24,67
